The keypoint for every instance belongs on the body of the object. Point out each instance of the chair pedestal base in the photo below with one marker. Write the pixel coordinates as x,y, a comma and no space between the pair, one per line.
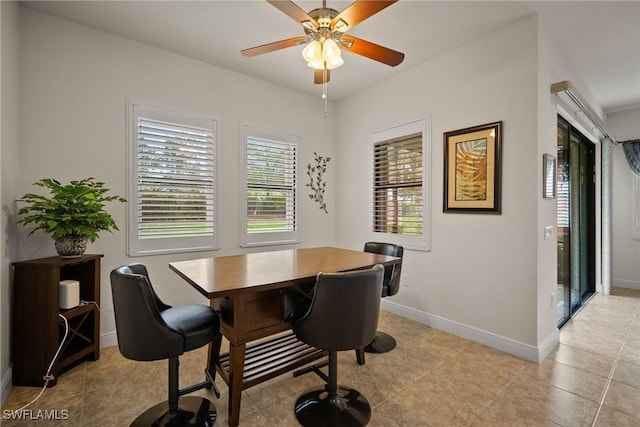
381,343
192,411
348,409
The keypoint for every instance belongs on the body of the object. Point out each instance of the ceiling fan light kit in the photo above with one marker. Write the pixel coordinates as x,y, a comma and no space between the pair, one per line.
323,54
324,30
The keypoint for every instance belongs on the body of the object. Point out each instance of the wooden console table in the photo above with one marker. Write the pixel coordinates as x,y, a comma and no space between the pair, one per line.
248,291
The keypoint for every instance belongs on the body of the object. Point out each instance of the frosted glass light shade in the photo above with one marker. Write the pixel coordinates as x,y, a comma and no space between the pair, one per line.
331,54
312,52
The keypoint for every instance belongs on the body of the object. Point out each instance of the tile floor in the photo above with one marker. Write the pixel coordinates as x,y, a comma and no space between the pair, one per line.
432,378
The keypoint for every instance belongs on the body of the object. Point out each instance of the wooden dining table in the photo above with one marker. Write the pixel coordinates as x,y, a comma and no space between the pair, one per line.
250,293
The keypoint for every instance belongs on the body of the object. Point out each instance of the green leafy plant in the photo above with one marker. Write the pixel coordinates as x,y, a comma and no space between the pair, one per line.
75,209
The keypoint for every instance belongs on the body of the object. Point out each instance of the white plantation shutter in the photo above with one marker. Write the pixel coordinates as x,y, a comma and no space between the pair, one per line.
173,182
400,196
397,186
270,180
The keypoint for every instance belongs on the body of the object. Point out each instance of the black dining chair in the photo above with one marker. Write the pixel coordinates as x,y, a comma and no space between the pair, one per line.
148,329
384,342
343,315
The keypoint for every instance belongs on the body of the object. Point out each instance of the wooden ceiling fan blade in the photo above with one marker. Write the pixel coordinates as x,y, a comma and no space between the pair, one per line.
270,47
320,75
371,50
358,11
294,11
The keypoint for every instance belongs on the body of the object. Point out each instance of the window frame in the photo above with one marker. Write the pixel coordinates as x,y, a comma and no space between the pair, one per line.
268,238
168,245
414,242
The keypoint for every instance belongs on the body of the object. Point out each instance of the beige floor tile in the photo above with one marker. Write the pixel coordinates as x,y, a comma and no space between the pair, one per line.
611,418
631,353
419,405
583,383
609,348
432,378
623,398
583,359
627,373
530,402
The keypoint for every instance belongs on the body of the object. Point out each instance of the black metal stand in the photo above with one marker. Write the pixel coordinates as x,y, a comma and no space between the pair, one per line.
334,405
181,411
381,343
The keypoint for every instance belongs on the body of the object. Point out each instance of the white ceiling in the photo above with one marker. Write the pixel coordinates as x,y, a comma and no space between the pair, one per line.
601,38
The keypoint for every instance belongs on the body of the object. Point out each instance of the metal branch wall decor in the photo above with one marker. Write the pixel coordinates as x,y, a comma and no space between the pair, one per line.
316,182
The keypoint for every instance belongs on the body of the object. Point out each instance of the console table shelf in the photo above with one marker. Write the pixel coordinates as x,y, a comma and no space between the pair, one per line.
37,328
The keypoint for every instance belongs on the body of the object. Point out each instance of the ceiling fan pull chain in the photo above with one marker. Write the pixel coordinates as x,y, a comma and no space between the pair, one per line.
324,90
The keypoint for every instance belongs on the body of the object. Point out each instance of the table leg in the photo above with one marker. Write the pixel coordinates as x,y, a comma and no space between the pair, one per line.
214,355
236,370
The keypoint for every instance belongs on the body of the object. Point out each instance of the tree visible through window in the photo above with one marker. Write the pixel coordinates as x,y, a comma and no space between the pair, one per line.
398,200
400,205
172,182
271,184
270,213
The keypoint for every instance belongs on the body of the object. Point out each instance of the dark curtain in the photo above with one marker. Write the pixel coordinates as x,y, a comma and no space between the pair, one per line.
632,153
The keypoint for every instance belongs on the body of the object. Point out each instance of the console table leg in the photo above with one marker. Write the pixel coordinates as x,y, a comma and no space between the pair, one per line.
236,370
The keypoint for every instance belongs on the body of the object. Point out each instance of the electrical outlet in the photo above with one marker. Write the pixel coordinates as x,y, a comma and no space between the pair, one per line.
548,232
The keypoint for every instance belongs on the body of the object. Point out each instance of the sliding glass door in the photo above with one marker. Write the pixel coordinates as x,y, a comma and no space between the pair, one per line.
576,220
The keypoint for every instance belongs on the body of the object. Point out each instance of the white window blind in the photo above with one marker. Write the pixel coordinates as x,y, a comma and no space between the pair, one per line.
397,186
173,182
270,178
399,194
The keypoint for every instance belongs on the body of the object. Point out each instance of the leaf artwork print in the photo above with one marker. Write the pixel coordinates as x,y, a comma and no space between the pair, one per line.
471,170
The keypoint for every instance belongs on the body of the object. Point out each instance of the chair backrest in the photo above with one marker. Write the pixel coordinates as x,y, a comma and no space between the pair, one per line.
142,333
137,268
344,310
391,284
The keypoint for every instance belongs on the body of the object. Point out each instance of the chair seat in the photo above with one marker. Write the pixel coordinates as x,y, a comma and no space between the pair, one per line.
195,322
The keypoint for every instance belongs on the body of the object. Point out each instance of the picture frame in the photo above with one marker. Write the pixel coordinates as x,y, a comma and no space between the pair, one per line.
473,169
549,176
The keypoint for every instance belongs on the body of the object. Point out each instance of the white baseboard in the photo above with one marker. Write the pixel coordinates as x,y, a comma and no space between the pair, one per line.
5,384
108,339
630,284
508,345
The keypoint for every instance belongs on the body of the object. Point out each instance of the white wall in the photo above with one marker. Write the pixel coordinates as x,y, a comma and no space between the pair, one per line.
490,278
9,173
75,82
625,269
481,271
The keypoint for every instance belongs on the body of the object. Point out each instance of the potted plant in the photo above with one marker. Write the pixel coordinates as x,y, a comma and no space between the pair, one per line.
72,214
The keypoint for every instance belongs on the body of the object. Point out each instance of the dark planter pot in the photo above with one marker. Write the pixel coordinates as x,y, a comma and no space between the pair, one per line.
70,246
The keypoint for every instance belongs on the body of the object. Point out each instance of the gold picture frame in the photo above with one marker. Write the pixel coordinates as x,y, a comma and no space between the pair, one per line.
472,169
549,176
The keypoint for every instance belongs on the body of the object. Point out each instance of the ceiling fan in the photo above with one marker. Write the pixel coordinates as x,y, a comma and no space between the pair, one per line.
324,36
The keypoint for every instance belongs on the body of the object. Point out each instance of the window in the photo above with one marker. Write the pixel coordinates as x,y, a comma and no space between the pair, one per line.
400,199
172,182
270,202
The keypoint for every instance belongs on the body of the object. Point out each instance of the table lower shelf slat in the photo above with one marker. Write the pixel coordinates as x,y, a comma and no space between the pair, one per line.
268,359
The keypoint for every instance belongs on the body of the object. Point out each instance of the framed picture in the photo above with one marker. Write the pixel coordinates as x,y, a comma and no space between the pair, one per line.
549,176
472,169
